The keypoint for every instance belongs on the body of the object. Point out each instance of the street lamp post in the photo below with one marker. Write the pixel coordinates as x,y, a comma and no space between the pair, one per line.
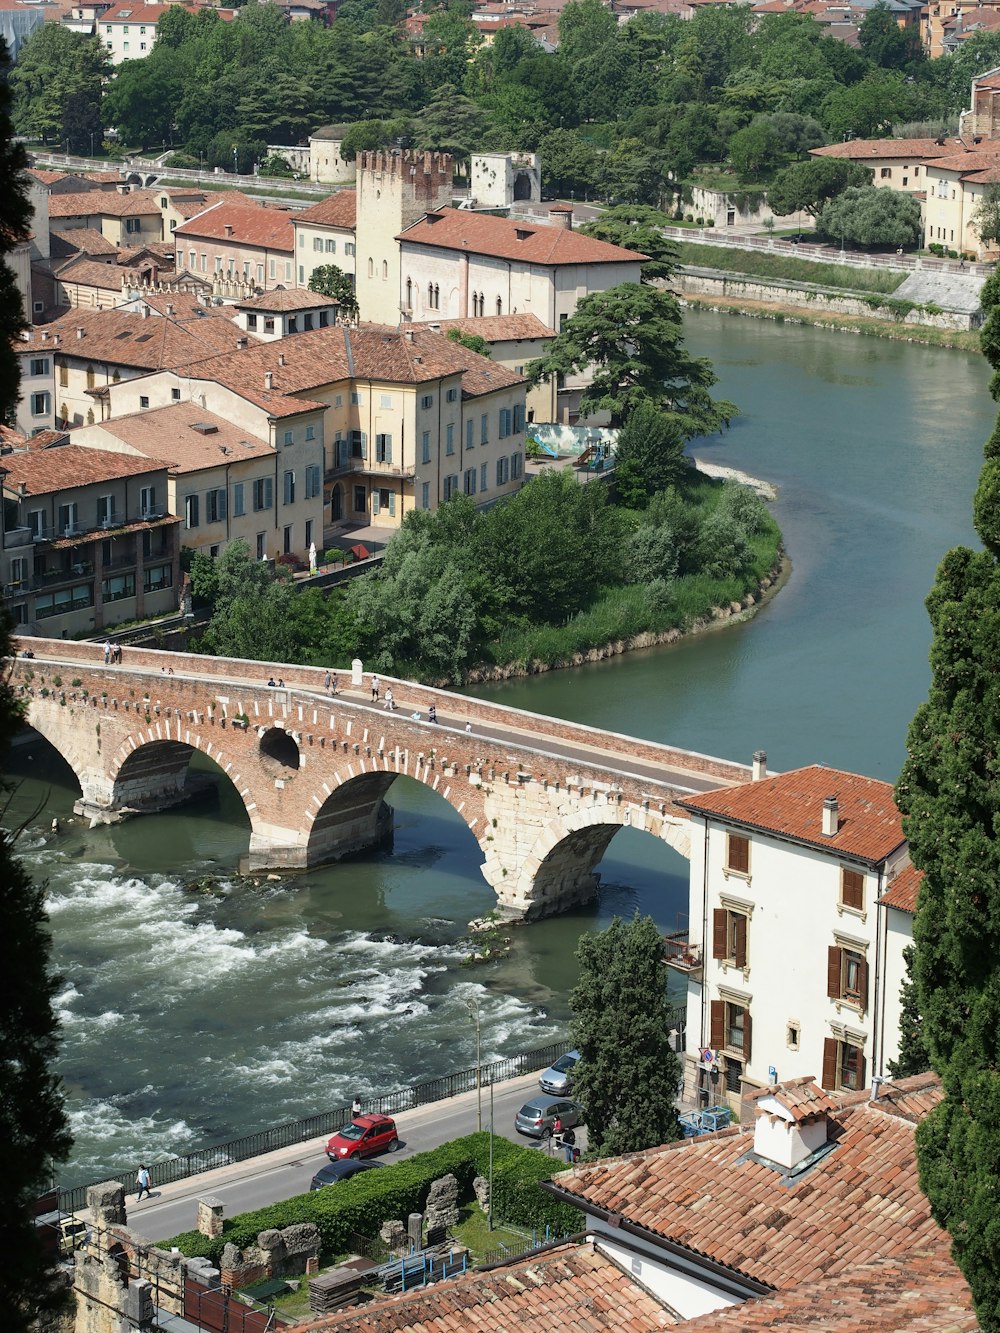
489,1210
473,1007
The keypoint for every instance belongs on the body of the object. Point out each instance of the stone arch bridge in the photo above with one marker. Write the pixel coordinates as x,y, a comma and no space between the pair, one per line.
542,797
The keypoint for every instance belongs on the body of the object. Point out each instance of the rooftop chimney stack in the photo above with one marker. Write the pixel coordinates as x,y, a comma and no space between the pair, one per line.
831,817
229,229
759,765
268,379
561,216
281,358
79,333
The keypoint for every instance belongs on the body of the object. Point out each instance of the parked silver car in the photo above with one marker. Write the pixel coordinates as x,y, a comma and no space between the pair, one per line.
558,1078
537,1118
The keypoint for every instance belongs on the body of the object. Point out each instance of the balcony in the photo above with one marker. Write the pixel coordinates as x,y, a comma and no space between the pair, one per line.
682,954
68,574
360,467
17,537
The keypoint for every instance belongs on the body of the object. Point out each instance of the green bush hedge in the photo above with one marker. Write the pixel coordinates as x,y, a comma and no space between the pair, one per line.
362,1203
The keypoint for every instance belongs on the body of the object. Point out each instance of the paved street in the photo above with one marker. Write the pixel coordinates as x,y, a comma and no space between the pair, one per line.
279,1175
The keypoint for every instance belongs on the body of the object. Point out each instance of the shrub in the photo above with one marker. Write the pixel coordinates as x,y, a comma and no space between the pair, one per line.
723,548
651,554
76,682
57,681
332,554
744,506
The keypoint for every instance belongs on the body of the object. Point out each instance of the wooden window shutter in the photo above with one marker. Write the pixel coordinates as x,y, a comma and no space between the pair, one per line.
863,983
717,1038
738,857
834,968
747,1029
852,889
739,940
720,925
830,1063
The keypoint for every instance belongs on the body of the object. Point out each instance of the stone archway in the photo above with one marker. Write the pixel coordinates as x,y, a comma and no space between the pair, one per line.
150,770
522,185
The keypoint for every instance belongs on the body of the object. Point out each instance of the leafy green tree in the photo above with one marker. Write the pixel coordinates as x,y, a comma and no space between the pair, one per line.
365,136
885,43
949,797
651,555
640,228
628,1074
584,27
333,281
58,84
986,215
913,1055
252,615
806,186
473,341
570,164
869,108
652,442
141,99
755,151
796,133
15,220
723,551
450,123
868,216
636,174
630,337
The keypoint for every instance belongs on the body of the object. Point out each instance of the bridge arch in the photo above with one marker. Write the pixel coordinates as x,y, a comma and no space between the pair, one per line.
558,871
279,750
152,770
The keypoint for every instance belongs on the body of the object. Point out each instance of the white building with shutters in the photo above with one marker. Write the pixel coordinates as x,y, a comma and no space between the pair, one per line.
800,906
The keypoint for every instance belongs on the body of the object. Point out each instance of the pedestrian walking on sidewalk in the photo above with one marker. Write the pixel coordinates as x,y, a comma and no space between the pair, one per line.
107,651
142,1182
374,689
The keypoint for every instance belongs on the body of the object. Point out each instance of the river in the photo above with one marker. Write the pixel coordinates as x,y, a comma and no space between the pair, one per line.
191,1019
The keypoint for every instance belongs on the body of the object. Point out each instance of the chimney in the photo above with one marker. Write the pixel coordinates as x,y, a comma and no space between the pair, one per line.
759,765
877,1081
831,817
55,339
145,311
45,335
268,380
408,335
281,358
241,343
229,229
561,216
791,1123
80,332
170,310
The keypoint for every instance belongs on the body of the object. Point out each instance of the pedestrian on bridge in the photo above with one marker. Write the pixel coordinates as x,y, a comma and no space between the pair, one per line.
374,689
432,713
142,1182
107,651
390,702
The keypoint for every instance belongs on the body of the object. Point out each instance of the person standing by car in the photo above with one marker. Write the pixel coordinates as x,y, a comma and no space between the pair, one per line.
142,1182
355,1106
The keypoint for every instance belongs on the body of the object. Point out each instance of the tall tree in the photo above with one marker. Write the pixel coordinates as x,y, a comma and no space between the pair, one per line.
58,83
631,340
949,793
806,186
33,1129
333,281
640,228
628,1074
868,216
913,1054
649,455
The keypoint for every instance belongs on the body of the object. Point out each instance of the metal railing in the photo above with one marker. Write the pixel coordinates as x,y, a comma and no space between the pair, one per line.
312,1127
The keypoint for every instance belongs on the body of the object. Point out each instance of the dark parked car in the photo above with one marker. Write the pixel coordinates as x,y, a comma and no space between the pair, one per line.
342,1169
537,1118
558,1078
363,1137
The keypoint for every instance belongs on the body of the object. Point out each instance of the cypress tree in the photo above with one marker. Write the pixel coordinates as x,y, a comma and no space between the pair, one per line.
949,793
913,1057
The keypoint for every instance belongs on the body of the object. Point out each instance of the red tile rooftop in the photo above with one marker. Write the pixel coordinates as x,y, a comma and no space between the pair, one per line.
337,210
902,892
791,806
183,437
140,203
504,238
69,466
242,224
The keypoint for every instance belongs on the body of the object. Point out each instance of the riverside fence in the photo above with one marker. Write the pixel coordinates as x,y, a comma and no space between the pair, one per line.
300,1131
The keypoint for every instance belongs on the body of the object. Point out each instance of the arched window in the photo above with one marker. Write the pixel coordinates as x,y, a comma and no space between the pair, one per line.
437,297
90,377
430,296
409,294
499,306
385,269
371,267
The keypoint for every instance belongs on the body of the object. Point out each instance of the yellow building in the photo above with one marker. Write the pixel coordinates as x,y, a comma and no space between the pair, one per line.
956,187
324,234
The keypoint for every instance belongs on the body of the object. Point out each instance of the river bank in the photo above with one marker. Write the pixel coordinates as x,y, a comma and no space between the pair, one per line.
783,312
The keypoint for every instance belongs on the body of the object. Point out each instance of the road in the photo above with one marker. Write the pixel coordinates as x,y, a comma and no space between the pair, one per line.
280,1175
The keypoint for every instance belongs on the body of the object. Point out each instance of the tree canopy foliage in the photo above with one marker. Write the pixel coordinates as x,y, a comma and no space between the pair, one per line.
333,281
949,795
868,216
628,1074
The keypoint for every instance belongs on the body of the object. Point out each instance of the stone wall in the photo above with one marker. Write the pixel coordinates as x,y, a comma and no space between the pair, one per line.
284,1253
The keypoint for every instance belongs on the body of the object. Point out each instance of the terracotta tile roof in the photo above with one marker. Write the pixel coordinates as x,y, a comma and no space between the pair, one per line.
124,338
287,298
68,466
336,210
168,435
858,150
48,177
326,356
861,1202
333,132
791,806
140,203
802,1098
502,238
568,1289
497,328
923,1293
269,228
93,273
902,892
189,208
128,12
80,240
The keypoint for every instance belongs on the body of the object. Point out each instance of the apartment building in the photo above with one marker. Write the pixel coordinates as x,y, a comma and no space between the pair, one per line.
324,234
238,242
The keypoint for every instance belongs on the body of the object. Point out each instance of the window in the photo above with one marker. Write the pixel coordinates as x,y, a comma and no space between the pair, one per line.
331,247
450,486
261,545
506,422
852,889
886,173
238,502
425,447
39,365
268,324
147,501
425,495
36,522
793,1036
452,396
271,269
483,479
360,500
289,437
215,505
63,600
143,400
503,471
427,401
383,498
731,1029
359,444
302,276
63,376
729,936
469,481
118,587
371,267
309,533
39,404
263,493
470,433
385,400
133,224
385,269
105,510
383,448
293,324
191,511
847,976
516,466
310,432
349,249
175,395
449,437
484,429
843,1064
286,542
68,519
518,417
355,398
737,854
313,481
318,244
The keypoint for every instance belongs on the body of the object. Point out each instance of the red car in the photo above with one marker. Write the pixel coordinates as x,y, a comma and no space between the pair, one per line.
365,1136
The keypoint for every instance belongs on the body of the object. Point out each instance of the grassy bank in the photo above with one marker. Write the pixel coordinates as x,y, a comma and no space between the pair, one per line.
959,340
770,264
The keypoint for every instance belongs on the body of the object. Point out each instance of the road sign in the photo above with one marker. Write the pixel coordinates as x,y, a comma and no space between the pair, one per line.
708,1055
